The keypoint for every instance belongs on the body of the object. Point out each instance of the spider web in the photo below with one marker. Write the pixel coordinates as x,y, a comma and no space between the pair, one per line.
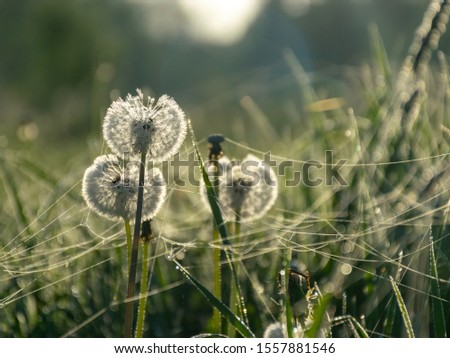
69,266
63,269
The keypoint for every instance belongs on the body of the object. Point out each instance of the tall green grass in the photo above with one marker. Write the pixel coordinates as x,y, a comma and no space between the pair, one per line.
63,269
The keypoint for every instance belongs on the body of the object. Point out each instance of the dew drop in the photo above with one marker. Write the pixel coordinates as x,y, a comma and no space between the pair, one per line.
346,269
75,291
329,287
347,247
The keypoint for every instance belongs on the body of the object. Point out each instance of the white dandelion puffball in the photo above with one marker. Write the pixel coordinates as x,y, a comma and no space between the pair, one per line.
246,189
278,330
274,330
110,189
157,127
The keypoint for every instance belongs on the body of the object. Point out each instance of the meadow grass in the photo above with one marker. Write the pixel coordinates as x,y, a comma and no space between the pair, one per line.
376,249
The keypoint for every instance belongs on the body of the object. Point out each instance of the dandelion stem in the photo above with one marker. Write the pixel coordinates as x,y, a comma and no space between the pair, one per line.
217,318
134,252
144,280
233,292
129,240
287,299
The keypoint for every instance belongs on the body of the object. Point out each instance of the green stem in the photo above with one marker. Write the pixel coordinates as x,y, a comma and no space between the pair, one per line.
217,318
234,289
287,299
129,240
129,305
217,290
143,296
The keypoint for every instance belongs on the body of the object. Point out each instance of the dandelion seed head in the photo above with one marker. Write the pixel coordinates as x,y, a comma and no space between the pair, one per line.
110,189
247,189
274,330
137,125
238,186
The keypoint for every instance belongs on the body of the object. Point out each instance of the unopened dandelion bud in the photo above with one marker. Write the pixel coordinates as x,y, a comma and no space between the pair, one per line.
215,149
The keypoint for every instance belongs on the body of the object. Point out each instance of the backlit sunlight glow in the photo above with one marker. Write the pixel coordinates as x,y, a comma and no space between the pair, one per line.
220,22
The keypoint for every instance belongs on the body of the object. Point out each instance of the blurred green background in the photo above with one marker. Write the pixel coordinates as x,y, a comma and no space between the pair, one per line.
231,67
61,63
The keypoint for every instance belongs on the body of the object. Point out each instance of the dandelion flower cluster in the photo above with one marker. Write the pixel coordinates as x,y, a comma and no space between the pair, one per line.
157,127
246,190
110,189
140,132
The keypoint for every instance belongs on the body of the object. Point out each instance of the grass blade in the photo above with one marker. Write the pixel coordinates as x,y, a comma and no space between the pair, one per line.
289,315
437,310
11,188
240,326
403,310
379,52
212,199
219,223
390,319
389,322
219,230
356,327
320,318
41,174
